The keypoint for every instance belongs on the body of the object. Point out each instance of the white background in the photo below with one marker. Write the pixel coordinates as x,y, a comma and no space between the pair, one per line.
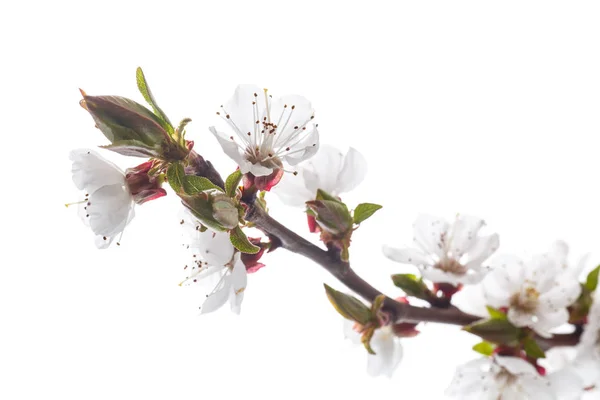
488,108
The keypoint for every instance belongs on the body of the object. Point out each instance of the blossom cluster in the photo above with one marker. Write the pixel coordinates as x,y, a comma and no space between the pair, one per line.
524,304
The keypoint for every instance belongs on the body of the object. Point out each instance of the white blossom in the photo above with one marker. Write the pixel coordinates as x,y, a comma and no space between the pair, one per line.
216,267
264,131
329,170
108,205
588,350
450,253
386,345
536,293
511,378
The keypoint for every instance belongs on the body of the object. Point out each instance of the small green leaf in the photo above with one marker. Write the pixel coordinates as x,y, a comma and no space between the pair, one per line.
323,195
412,286
592,279
240,241
495,313
348,306
195,184
145,91
364,211
232,183
498,331
366,340
176,177
532,349
485,348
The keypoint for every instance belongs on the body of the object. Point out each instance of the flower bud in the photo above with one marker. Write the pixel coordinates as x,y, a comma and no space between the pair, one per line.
143,187
224,210
251,261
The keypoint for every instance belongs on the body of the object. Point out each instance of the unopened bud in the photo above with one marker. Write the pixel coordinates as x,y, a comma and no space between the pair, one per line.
225,211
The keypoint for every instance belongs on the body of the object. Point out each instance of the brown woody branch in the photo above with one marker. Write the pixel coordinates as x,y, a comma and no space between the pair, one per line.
399,312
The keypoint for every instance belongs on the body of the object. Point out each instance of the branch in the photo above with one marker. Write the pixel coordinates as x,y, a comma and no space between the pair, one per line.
400,312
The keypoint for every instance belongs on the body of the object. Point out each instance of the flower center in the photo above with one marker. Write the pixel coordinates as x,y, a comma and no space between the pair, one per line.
525,301
505,378
447,264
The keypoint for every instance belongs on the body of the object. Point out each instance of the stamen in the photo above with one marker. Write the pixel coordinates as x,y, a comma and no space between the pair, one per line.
267,103
77,202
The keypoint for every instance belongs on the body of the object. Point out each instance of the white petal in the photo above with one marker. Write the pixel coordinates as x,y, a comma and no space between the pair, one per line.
549,320
240,107
520,318
428,231
464,231
388,353
259,170
537,387
470,380
203,275
350,333
483,247
560,251
353,172
565,292
218,298
292,190
407,256
515,365
213,247
498,288
103,242
290,113
110,208
91,171
239,280
543,270
321,171
471,299
438,276
305,149
232,150
566,384
508,272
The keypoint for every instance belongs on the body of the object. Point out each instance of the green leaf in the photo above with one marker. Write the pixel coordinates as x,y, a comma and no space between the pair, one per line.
412,286
532,349
232,182
176,177
485,348
332,216
323,195
495,313
193,184
348,306
179,134
592,279
133,148
240,241
364,211
498,331
142,85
